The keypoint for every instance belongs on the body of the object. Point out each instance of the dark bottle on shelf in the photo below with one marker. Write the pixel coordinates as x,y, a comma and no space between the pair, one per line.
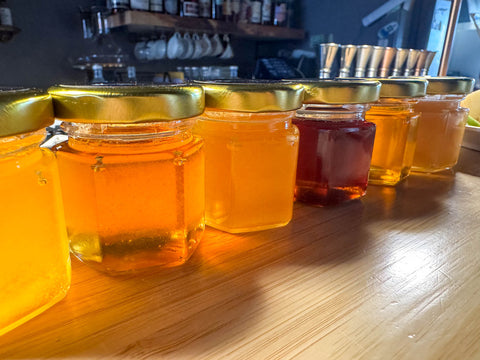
280,12
227,10
156,6
256,12
116,6
217,9
236,6
189,8
171,7
142,5
205,8
267,12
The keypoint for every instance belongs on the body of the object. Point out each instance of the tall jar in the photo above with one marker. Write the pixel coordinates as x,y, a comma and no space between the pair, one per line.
396,122
336,142
34,257
441,124
250,154
132,174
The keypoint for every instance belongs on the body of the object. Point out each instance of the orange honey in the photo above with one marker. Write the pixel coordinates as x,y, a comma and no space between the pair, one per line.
134,192
34,257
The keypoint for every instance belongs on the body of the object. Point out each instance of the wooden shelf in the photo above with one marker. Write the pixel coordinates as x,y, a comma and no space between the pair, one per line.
146,22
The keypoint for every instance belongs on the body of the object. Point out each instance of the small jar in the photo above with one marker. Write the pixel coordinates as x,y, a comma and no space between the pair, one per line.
250,154
396,122
34,257
441,124
132,174
336,142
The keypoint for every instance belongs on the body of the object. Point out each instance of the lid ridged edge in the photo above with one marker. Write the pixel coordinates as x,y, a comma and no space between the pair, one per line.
123,104
252,96
24,110
341,91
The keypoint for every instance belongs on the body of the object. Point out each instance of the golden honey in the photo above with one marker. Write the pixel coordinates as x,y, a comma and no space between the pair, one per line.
250,154
133,191
34,257
442,124
396,122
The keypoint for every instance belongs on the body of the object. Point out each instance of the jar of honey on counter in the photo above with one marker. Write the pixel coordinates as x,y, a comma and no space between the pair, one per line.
396,122
132,174
250,153
336,142
34,257
441,124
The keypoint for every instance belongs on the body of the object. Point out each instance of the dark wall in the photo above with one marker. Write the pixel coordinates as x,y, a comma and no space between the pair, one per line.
51,40
50,35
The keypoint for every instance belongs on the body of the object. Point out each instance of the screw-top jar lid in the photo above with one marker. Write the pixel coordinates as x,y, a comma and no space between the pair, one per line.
24,110
253,96
445,85
340,91
123,104
403,88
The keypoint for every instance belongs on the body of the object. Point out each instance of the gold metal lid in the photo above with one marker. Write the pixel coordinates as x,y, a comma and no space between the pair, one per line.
402,88
252,96
340,91
444,85
124,104
24,110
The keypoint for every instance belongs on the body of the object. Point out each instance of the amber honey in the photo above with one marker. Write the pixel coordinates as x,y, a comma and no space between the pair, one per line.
134,192
395,140
440,132
441,123
34,257
250,169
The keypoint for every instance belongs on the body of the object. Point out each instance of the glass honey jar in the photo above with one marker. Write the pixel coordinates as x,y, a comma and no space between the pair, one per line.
336,142
250,153
34,257
396,123
441,124
132,174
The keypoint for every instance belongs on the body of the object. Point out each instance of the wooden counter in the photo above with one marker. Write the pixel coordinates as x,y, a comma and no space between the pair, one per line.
393,276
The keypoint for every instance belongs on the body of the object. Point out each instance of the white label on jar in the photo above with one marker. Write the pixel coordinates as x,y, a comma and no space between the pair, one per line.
6,17
190,8
139,4
256,12
267,11
156,5
204,6
171,7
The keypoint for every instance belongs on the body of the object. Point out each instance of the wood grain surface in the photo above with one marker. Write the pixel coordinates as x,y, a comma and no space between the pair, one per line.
395,275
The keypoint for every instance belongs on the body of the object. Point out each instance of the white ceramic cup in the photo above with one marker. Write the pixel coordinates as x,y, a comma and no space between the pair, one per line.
160,48
198,49
217,46
175,46
189,46
206,46
139,50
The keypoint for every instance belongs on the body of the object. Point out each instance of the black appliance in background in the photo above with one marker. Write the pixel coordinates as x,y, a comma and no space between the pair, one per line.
285,68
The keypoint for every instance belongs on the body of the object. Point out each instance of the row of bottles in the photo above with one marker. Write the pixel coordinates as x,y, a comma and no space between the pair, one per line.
266,12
